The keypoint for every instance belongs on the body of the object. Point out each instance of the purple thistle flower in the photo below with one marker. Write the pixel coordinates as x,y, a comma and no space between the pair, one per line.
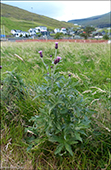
41,55
0,67
50,55
69,75
56,61
56,45
59,58
47,72
51,66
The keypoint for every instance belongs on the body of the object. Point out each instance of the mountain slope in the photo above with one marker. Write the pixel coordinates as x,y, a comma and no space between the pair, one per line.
97,21
16,18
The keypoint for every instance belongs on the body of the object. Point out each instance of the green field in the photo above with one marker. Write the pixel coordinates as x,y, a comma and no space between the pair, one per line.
89,65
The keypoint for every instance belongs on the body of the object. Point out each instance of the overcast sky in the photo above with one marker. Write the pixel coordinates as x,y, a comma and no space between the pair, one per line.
64,10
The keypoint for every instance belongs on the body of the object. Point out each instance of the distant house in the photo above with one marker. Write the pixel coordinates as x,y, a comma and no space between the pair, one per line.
25,34
41,29
18,33
32,31
56,30
15,32
71,32
22,34
63,30
98,35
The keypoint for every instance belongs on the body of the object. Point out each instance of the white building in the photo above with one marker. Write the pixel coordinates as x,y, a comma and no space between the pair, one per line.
22,34
98,35
32,31
41,29
14,32
63,30
56,30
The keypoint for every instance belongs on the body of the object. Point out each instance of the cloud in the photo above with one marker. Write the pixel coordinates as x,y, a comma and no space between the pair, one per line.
64,10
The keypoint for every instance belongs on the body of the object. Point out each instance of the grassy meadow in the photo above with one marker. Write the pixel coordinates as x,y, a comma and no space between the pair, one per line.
88,64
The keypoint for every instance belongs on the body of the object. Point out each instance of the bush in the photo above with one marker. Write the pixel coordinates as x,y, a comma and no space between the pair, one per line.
58,35
84,35
105,37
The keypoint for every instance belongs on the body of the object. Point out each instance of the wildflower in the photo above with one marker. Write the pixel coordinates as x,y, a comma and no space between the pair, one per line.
69,75
56,61
51,66
41,55
56,45
59,58
0,67
50,55
47,72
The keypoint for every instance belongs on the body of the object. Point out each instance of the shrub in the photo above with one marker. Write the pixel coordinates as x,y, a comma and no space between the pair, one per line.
58,35
105,37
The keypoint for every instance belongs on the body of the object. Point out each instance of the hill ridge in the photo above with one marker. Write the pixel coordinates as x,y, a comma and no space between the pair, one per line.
21,14
103,20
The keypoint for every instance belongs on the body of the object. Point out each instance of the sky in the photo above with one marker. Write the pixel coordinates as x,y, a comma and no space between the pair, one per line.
64,10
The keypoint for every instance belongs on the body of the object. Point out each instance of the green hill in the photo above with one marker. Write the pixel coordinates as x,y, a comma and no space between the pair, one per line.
16,18
100,21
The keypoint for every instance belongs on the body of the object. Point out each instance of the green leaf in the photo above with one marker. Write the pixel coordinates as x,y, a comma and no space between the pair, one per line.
60,101
36,97
47,102
58,126
64,111
58,149
47,78
71,142
68,148
59,78
58,84
77,135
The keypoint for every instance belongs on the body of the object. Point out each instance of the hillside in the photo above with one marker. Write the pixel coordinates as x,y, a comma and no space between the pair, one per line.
100,21
16,18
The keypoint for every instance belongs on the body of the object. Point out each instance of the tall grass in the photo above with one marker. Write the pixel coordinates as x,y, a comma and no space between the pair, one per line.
87,63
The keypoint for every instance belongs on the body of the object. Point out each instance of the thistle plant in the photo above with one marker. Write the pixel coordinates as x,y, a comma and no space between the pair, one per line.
63,114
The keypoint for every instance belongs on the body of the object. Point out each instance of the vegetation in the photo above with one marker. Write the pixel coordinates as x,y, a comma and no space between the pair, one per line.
97,21
59,35
27,98
105,37
16,18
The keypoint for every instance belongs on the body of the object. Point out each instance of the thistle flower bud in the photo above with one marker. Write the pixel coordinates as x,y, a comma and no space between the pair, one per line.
56,45
50,55
69,75
56,61
0,67
58,58
41,55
